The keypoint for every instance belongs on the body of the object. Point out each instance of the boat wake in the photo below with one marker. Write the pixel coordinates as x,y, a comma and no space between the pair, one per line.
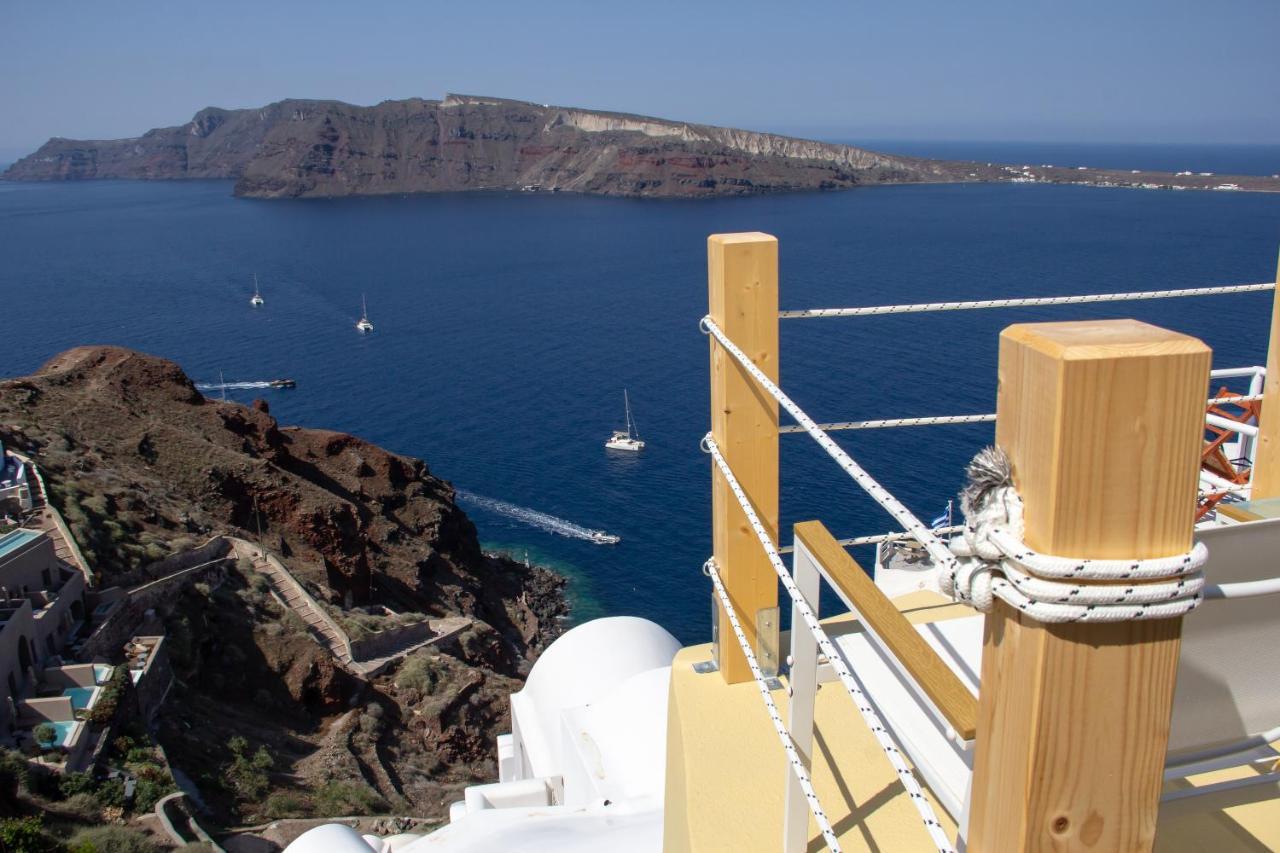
232,386
540,520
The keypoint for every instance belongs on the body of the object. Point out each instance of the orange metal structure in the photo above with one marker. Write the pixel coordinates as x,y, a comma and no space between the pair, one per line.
1214,457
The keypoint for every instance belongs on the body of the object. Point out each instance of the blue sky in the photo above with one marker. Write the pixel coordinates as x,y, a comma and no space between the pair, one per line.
1120,71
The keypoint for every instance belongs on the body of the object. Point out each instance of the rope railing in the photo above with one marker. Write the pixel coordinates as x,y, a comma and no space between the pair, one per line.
879,538
1024,302
954,573
788,745
942,420
907,520
837,662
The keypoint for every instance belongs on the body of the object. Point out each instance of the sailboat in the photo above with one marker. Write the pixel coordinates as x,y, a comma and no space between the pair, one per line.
257,297
364,325
630,439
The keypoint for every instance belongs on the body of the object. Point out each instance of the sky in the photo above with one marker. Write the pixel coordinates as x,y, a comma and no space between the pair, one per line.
1025,70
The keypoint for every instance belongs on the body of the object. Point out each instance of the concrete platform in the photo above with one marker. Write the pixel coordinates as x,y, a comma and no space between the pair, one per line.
726,772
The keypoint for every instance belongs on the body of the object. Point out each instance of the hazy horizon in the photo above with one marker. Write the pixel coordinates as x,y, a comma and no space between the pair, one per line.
1149,72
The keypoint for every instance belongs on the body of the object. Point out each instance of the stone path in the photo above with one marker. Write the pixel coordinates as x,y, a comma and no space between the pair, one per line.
324,629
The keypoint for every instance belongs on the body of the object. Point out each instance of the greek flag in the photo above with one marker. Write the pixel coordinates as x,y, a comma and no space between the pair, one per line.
943,520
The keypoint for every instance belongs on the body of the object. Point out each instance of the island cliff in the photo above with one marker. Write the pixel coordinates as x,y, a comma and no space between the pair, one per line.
326,148
302,148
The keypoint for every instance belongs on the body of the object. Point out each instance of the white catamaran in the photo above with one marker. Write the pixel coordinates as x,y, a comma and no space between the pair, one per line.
364,325
256,299
630,438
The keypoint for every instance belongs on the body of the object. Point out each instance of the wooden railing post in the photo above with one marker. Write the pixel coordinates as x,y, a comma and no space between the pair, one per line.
1103,422
1266,464
743,294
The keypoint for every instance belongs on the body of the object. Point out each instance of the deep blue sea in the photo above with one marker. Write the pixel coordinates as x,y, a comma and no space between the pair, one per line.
507,326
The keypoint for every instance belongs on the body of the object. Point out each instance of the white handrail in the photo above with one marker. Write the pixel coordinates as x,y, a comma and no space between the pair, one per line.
1242,589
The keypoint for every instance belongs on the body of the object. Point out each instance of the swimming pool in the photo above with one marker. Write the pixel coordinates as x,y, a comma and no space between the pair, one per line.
16,539
102,673
64,728
81,697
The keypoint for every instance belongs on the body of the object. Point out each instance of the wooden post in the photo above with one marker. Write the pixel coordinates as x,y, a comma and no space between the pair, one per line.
1103,422
743,289
1266,465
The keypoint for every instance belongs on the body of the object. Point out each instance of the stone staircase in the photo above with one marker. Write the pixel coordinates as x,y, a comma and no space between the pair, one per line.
323,628
44,517
288,590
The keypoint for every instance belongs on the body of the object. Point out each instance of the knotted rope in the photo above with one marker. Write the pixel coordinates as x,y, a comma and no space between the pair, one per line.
993,562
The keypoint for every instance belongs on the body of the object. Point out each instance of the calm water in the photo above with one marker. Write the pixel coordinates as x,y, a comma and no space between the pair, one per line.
508,325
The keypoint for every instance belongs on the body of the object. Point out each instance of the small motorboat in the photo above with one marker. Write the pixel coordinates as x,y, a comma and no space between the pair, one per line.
257,299
283,383
601,538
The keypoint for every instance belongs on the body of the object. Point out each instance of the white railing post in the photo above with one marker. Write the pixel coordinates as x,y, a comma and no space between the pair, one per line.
1255,387
802,681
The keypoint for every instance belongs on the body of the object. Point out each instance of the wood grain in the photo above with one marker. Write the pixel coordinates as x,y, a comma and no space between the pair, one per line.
743,296
1103,422
877,613
1266,467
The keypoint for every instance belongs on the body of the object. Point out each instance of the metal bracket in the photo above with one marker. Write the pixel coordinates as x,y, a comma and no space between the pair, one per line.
702,667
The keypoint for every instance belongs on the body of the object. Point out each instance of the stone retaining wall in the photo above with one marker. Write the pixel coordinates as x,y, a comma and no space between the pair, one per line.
390,640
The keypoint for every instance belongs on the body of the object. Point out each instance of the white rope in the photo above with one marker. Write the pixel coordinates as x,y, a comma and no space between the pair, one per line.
878,538
905,776
890,423
788,745
1237,398
995,563
922,307
919,531
935,420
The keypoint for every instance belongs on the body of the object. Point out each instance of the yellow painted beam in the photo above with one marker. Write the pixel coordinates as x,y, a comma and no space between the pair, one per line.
877,612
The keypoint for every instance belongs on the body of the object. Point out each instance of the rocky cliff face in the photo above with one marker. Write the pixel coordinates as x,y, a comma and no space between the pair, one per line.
127,437
142,465
325,148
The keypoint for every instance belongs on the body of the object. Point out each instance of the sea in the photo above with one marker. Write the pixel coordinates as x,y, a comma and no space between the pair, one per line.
507,326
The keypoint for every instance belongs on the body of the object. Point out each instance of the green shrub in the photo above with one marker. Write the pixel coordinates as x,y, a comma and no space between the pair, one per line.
77,783
111,793
293,623
105,709
417,673
139,754
84,806
13,773
283,804
24,835
111,839
45,734
336,799
247,774
149,792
